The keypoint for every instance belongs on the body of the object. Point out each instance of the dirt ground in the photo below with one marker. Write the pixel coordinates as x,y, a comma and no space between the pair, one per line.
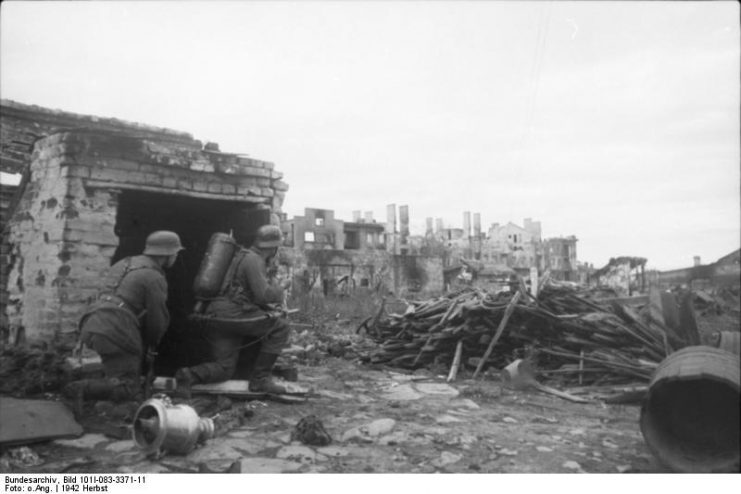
387,422
381,420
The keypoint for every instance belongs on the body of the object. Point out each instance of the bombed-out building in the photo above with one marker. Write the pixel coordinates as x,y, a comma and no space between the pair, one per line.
340,257
90,192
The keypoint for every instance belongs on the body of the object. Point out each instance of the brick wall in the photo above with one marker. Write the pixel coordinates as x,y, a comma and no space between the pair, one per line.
61,237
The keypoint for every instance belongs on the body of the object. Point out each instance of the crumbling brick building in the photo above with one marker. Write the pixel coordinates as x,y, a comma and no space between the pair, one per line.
92,190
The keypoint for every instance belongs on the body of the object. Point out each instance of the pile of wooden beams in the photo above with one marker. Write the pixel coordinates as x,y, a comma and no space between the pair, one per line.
566,333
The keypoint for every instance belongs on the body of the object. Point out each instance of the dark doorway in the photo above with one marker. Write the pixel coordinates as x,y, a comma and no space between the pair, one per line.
194,220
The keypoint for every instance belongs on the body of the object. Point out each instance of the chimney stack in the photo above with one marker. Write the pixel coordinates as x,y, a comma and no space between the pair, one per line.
356,216
404,223
466,224
477,225
391,219
369,216
428,229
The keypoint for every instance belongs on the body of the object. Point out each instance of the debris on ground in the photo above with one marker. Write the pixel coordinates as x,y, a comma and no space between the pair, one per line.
31,421
570,336
310,430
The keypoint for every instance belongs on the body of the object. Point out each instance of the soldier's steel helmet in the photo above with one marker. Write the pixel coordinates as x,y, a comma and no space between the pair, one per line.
162,243
268,236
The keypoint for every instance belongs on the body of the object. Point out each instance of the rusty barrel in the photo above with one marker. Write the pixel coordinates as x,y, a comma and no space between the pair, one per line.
690,417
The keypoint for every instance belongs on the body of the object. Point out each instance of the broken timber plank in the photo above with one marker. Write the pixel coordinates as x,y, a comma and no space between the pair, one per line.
507,313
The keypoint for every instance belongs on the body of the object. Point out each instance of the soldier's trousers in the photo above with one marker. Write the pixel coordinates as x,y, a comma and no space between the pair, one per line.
272,335
116,361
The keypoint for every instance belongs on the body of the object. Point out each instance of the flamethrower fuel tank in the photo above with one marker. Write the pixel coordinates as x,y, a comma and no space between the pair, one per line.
218,256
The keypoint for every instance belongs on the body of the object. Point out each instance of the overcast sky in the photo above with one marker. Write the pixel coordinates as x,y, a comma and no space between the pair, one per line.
616,122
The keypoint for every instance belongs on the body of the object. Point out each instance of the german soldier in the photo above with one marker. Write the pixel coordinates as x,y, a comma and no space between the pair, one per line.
245,314
128,319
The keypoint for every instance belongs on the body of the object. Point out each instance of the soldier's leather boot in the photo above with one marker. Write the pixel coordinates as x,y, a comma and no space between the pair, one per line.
262,378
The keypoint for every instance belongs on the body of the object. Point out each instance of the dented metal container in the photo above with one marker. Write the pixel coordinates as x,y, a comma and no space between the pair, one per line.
161,427
690,417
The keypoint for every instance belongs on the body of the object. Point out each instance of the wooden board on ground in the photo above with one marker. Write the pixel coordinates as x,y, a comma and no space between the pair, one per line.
30,421
236,389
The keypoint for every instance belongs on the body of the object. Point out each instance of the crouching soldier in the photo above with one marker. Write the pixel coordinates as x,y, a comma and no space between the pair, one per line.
128,319
243,315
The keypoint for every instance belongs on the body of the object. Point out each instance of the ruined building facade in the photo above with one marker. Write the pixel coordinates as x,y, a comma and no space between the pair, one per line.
92,190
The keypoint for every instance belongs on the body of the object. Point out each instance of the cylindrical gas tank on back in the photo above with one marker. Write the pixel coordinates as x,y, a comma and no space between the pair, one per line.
216,260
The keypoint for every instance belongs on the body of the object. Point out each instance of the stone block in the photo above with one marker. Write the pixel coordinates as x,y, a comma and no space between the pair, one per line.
152,179
215,188
185,184
280,185
267,192
169,182
120,164
255,171
202,166
229,189
245,161
249,191
116,176
147,168
200,186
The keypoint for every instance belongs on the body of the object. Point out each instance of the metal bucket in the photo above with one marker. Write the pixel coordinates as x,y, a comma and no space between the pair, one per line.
690,418
160,427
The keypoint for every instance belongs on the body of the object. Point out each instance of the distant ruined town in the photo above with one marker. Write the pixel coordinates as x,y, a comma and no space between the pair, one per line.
92,188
